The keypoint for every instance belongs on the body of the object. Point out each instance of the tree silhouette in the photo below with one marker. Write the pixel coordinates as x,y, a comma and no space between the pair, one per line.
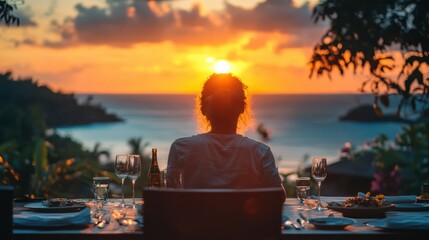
6,13
388,38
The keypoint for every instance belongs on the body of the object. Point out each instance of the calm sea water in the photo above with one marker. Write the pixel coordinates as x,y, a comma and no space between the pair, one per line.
300,124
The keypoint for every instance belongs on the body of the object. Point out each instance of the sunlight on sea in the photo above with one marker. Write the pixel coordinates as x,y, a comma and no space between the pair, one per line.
300,125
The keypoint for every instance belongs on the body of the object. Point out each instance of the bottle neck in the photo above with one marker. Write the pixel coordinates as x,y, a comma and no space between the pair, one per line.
154,156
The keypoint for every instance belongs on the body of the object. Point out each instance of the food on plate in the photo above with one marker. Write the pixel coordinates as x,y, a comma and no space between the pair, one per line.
424,196
61,202
367,201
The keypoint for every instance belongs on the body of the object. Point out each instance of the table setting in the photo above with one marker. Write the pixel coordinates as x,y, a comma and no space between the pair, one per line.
97,215
306,215
364,213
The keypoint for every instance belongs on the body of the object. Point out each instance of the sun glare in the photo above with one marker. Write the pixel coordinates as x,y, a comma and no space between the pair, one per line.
222,66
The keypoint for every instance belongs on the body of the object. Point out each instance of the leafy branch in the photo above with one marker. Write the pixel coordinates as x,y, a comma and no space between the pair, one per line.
6,15
368,35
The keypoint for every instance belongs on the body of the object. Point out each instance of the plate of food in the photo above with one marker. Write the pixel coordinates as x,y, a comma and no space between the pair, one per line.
424,198
56,205
331,222
362,207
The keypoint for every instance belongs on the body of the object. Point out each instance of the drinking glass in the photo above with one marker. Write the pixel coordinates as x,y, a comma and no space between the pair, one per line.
424,194
121,170
134,171
164,178
302,185
174,178
319,171
100,187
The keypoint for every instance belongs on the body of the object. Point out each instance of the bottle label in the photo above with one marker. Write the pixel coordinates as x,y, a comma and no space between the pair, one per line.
154,180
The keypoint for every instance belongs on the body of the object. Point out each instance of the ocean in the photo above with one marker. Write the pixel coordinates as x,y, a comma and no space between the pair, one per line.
300,125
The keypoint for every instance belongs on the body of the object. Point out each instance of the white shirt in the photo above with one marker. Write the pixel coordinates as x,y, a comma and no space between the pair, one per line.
223,161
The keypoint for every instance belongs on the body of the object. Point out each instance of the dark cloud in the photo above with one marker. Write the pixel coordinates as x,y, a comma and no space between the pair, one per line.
25,18
124,23
271,15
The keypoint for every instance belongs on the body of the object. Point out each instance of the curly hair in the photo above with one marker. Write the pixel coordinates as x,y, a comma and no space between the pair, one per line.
223,97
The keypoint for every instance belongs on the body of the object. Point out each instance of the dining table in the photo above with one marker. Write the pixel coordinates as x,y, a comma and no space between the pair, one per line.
292,211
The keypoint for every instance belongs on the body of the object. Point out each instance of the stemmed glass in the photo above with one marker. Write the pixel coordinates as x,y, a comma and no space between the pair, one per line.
319,170
302,185
134,171
121,170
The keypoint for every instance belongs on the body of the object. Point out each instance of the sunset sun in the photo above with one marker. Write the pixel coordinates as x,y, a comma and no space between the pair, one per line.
222,66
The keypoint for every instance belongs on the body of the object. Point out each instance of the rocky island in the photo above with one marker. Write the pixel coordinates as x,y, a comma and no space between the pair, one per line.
55,108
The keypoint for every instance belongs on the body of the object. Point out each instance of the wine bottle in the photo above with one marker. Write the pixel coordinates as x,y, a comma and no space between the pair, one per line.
154,172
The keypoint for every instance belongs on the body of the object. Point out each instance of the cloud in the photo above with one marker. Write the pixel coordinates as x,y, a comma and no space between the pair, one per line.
25,18
271,15
51,10
125,23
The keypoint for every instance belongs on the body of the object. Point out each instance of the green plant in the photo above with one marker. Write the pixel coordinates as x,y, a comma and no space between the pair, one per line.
6,9
402,164
387,38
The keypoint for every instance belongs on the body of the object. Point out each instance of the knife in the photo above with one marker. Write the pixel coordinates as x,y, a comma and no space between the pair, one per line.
303,217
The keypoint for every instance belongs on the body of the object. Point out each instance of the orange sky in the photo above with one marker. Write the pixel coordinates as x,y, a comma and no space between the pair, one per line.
95,46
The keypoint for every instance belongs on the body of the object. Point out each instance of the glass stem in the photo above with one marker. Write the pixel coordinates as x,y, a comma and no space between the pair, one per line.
319,204
123,201
134,202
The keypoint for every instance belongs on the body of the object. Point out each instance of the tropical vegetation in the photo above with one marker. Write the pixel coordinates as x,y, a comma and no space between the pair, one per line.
33,157
388,39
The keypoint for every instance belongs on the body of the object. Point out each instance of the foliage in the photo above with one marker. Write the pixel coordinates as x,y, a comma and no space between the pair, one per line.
402,165
35,162
367,34
6,13
59,109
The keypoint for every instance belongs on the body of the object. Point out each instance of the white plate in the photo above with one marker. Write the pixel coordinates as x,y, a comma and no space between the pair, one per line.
412,207
383,225
331,222
39,207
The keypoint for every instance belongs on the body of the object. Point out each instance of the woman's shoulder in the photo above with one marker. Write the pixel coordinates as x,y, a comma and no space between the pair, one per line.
188,140
255,143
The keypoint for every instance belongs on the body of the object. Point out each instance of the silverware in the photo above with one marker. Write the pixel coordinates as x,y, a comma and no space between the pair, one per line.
301,222
288,222
303,217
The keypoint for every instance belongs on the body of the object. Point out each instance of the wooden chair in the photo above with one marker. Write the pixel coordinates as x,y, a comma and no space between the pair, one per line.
212,213
6,211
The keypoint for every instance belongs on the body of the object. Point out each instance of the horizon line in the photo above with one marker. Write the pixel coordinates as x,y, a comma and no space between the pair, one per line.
261,93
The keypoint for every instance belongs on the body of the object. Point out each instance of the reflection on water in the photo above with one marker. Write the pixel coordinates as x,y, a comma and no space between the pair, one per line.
299,124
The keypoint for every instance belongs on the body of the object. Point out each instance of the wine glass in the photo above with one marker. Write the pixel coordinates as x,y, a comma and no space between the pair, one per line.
174,178
134,171
121,170
302,185
319,171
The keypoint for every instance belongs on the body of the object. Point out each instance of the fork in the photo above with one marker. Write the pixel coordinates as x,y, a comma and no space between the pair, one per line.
290,223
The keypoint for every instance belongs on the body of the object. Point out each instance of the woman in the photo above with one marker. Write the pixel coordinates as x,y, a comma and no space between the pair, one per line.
221,158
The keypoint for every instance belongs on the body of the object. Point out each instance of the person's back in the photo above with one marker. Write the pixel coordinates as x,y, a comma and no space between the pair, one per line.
224,161
222,158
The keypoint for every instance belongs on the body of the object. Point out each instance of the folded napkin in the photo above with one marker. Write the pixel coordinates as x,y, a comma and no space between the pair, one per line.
409,221
396,199
40,219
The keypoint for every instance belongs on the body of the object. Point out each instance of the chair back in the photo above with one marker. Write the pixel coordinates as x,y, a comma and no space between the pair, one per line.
6,211
212,213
